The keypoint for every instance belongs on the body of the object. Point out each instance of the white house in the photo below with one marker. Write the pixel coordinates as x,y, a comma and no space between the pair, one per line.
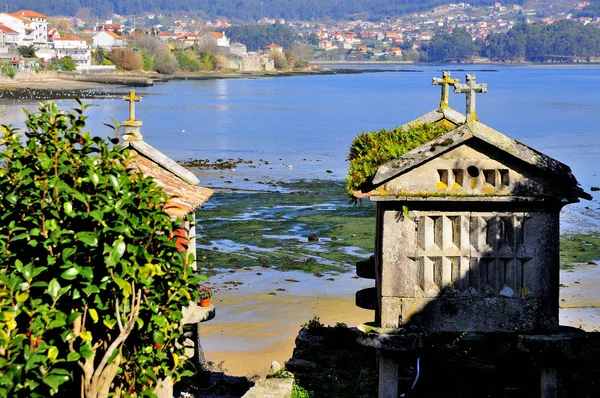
8,38
16,25
74,47
107,40
213,39
31,26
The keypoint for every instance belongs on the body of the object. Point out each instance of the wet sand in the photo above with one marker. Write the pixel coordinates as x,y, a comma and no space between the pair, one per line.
253,328
580,297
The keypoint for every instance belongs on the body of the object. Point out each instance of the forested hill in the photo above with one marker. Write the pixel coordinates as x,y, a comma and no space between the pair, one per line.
247,10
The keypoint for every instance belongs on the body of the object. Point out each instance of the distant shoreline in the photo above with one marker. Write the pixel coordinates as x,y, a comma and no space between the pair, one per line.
93,86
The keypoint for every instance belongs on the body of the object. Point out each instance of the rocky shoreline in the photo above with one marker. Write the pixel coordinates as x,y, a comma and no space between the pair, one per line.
75,85
43,94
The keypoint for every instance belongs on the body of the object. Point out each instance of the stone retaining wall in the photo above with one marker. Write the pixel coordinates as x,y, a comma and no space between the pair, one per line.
30,77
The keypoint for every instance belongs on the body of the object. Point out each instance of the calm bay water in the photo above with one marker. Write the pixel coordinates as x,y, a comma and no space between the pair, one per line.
556,110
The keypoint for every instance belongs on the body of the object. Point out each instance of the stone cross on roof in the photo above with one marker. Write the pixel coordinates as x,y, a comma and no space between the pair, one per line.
445,82
470,88
132,126
132,99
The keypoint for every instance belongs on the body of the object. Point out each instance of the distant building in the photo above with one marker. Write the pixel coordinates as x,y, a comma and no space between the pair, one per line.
36,26
74,47
238,49
8,39
166,36
107,40
31,26
274,47
215,41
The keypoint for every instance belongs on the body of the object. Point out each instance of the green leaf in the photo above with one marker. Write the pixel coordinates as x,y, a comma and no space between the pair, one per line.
53,288
86,351
126,287
52,353
12,198
70,274
73,356
22,297
54,381
89,238
158,337
68,208
68,252
118,249
93,177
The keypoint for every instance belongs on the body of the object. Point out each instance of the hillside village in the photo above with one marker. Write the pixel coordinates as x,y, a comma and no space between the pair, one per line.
391,39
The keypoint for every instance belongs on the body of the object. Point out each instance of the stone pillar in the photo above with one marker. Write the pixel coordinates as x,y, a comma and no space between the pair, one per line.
549,382
388,375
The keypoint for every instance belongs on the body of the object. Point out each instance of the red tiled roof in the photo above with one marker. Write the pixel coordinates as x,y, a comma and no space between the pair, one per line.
216,34
8,30
30,14
184,197
70,37
111,34
273,45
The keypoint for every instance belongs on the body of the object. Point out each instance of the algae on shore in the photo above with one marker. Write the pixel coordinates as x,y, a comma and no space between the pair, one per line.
271,229
579,248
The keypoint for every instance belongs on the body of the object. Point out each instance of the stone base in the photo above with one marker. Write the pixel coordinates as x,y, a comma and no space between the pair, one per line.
388,339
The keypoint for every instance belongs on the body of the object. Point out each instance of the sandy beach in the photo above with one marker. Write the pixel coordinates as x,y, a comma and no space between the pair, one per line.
256,323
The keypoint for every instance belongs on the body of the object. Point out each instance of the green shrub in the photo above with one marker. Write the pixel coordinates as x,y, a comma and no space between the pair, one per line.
67,64
188,61
370,150
147,61
9,71
91,281
299,392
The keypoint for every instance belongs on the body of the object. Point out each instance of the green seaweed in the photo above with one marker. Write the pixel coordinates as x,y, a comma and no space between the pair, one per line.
578,248
271,229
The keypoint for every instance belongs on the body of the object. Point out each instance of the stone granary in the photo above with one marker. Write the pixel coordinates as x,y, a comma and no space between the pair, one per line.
184,197
180,185
467,240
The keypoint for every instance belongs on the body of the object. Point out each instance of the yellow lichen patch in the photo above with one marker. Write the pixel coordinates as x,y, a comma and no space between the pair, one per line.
381,190
446,124
440,185
473,183
489,190
456,185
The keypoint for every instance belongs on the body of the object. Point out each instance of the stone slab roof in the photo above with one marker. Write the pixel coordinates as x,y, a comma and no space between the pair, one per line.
476,130
437,115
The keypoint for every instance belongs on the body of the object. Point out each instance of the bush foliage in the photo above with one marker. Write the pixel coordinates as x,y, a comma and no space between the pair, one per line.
370,150
91,281
126,59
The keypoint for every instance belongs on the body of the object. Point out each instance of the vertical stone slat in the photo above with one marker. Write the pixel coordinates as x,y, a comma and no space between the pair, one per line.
438,272
474,274
420,226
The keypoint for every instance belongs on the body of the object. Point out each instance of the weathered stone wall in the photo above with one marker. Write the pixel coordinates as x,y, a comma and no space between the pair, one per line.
469,270
251,64
30,77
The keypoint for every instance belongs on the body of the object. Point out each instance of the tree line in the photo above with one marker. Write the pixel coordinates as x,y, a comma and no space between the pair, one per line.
562,41
257,37
249,10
